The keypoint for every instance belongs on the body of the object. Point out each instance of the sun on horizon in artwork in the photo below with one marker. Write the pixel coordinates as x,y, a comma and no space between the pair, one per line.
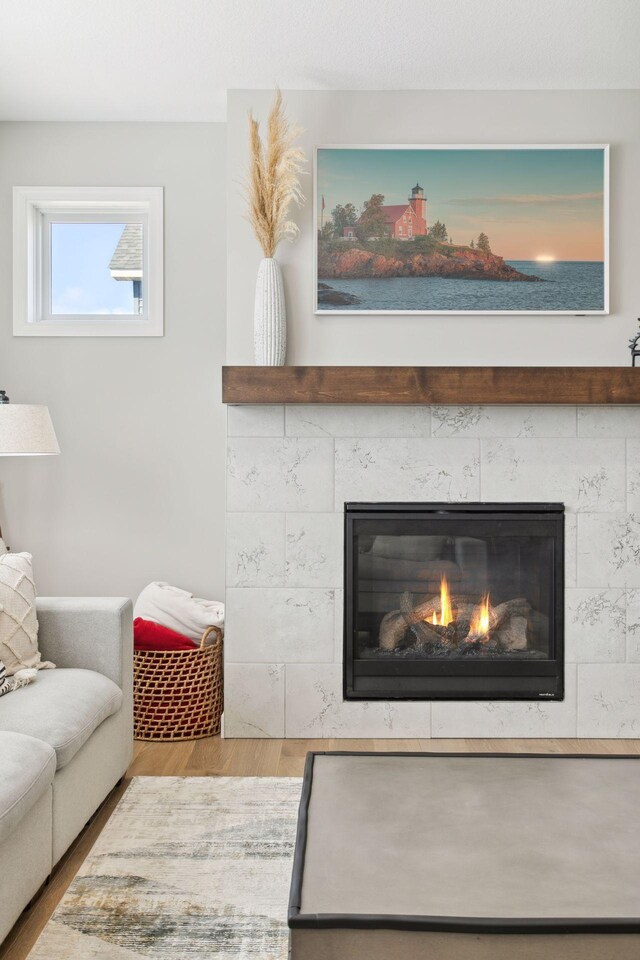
545,258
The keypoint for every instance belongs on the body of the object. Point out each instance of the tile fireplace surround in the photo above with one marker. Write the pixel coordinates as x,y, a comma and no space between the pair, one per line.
290,471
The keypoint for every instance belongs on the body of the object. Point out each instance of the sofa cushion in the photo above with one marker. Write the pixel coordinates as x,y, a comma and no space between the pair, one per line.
28,767
62,707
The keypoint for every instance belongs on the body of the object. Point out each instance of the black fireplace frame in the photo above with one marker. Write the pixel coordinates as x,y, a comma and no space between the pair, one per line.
490,679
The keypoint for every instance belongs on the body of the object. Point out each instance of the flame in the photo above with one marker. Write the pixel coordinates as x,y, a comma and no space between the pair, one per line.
480,623
446,610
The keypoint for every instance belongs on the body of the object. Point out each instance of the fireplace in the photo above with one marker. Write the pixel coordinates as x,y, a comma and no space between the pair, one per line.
454,601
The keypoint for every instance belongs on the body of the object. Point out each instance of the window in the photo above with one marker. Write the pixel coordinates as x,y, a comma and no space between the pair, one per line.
88,261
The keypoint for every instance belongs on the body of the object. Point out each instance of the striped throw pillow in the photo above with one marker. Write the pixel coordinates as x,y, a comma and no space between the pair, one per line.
19,679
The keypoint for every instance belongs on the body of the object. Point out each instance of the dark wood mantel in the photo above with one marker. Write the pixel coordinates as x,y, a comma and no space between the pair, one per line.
438,385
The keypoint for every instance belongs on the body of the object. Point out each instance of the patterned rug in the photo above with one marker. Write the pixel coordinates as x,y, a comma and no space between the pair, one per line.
187,867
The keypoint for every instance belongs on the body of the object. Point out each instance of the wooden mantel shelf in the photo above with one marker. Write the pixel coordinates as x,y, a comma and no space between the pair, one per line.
437,385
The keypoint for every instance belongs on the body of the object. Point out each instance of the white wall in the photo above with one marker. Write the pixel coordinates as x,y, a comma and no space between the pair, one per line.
138,491
441,117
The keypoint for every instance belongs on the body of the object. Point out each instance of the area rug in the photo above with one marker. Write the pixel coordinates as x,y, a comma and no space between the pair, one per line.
186,867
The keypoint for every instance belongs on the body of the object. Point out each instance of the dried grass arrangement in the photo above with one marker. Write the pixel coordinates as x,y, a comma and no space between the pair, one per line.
273,183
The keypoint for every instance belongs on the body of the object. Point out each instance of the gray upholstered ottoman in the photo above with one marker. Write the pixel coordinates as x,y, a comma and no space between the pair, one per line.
467,856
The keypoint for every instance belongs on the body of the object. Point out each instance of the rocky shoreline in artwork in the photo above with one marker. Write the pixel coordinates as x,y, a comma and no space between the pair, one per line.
328,296
355,263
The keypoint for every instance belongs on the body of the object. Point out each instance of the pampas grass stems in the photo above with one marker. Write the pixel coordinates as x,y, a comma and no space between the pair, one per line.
273,184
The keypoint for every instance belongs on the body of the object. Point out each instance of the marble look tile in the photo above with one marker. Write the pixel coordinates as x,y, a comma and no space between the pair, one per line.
254,700
587,475
404,469
255,421
633,475
315,708
595,626
273,629
633,625
279,474
266,625
255,550
609,550
314,543
570,550
610,421
609,700
355,421
496,718
488,421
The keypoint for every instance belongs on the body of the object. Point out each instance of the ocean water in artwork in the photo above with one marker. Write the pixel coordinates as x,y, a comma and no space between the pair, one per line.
573,286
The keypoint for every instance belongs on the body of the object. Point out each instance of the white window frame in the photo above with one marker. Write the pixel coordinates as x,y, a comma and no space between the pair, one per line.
34,208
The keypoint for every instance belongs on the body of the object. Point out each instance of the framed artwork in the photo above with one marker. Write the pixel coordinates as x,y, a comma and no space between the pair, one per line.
517,229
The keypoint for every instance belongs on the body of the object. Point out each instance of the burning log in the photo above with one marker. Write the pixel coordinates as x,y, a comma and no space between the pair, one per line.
394,624
439,622
424,632
513,635
482,628
423,611
424,619
392,630
425,635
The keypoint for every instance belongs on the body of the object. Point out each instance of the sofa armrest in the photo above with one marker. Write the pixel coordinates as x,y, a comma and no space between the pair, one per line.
94,633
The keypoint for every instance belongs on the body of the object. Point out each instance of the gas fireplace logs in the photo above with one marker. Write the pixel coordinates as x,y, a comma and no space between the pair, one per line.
442,625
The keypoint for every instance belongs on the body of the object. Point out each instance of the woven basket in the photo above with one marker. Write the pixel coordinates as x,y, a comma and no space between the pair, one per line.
178,694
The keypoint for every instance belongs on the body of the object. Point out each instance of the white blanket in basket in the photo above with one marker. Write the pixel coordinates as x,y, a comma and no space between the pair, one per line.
179,610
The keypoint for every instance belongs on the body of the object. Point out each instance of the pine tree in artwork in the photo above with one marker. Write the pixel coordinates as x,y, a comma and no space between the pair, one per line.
438,231
343,216
372,222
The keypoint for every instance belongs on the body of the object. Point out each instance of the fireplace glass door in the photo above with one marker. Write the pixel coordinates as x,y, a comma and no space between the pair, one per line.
454,601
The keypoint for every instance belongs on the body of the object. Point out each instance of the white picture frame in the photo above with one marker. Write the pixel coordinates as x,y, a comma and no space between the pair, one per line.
34,208
534,311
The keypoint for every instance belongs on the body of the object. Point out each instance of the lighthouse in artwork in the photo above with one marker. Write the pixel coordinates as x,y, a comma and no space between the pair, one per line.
401,221
419,205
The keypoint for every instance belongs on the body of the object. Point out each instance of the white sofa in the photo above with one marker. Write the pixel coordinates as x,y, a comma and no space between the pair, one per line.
65,740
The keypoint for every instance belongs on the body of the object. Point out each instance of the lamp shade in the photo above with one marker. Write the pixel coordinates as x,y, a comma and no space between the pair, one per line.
26,430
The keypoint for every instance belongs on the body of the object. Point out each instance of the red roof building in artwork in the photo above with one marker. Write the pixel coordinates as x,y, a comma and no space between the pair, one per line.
403,221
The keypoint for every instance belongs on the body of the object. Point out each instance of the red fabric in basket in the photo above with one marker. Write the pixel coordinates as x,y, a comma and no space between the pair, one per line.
148,635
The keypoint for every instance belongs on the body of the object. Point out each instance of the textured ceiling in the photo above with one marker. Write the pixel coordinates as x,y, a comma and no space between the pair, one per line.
175,59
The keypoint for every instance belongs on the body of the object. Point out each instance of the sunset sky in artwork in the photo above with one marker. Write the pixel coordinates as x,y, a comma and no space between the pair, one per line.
535,203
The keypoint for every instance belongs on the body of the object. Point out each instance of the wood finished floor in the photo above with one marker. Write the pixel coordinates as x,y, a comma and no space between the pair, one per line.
214,757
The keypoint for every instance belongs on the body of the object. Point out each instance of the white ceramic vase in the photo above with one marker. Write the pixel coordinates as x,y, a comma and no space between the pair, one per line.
269,316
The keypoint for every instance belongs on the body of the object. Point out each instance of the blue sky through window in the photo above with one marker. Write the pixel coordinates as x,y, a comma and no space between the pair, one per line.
80,279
